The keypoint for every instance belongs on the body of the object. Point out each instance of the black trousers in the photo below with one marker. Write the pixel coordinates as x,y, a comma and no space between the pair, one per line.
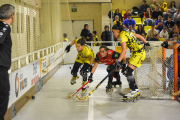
77,66
4,91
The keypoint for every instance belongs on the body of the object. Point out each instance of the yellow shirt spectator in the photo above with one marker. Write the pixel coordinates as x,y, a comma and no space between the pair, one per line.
64,40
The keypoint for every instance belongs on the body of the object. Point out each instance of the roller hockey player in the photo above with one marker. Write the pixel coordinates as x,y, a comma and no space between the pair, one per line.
108,57
85,56
138,55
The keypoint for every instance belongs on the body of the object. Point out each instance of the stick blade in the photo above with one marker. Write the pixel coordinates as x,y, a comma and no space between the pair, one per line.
69,96
82,99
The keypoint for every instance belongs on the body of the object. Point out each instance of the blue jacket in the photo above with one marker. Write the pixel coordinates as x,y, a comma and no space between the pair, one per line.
129,22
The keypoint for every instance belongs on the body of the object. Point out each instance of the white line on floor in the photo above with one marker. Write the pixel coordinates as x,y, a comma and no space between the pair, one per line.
90,110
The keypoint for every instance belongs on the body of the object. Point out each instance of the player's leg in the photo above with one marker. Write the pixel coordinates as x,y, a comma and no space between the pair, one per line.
83,73
118,79
109,85
135,61
74,72
110,78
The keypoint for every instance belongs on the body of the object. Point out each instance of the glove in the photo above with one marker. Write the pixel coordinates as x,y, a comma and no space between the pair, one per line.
146,44
90,78
165,44
110,68
68,48
123,68
118,64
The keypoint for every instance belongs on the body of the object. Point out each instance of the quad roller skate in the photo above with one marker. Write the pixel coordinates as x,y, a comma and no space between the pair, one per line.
109,88
138,94
84,89
131,96
117,83
73,80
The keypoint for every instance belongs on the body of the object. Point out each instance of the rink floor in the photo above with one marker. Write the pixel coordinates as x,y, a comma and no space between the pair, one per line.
52,102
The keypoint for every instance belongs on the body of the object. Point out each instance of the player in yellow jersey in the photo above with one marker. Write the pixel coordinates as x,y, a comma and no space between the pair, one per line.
85,56
138,55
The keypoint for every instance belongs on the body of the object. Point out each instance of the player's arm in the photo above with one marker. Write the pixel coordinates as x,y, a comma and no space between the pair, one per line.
94,68
92,60
175,46
140,37
67,49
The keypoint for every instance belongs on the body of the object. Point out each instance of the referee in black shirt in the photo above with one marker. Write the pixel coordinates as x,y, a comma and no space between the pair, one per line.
6,19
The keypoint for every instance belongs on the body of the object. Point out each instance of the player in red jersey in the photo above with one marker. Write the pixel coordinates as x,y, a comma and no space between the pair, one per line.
108,57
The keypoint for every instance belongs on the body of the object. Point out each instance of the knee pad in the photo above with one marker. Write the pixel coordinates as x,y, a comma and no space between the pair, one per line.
116,74
73,73
128,71
84,75
110,68
130,78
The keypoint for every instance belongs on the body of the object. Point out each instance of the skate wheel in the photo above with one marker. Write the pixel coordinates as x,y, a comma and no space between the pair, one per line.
127,100
134,100
120,85
77,76
112,89
33,97
87,86
115,86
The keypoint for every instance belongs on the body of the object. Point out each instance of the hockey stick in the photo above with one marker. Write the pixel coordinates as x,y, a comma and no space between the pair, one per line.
69,96
86,97
44,70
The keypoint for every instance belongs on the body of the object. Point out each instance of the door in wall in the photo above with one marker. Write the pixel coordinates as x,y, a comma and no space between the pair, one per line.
78,25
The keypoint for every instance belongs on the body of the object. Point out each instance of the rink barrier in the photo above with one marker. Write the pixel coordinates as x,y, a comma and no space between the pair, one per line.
17,63
27,80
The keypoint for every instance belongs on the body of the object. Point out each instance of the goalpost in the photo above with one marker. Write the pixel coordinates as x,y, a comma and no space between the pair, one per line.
157,78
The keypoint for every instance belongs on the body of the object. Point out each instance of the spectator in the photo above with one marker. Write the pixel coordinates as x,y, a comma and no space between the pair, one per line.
176,14
116,19
178,21
144,36
140,29
168,13
164,34
147,17
117,13
158,38
169,24
153,5
86,33
106,35
129,21
164,7
6,20
125,14
130,30
156,13
152,33
64,39
174,30
95,38
143,8
159,24
173,7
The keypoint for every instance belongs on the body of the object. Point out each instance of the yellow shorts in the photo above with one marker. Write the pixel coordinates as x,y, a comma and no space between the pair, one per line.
137,58
82,60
